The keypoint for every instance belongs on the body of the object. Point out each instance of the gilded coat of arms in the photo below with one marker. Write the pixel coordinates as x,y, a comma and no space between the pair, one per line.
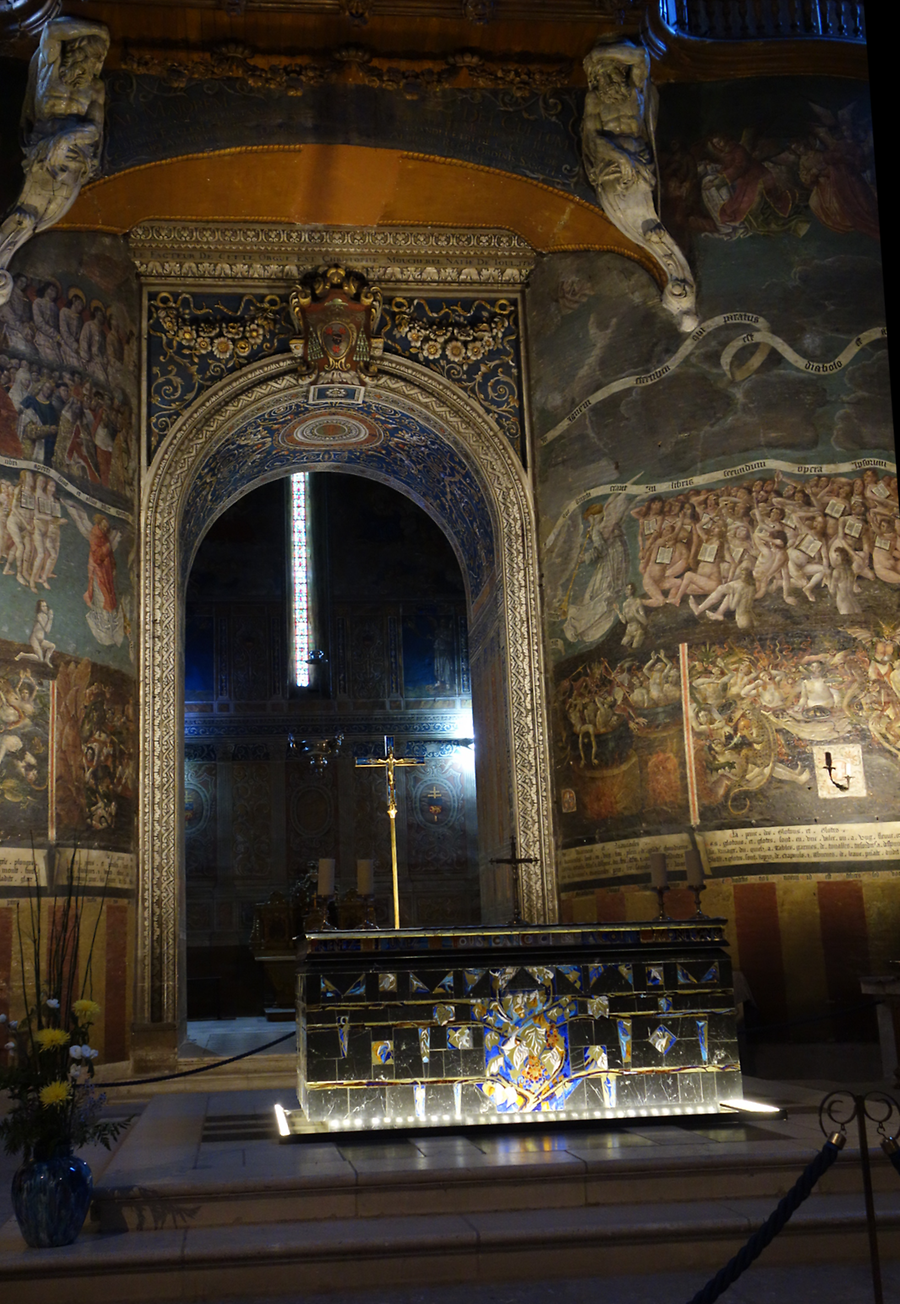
336,312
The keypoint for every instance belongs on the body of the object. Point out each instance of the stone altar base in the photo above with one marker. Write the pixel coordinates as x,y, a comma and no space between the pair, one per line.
442,1027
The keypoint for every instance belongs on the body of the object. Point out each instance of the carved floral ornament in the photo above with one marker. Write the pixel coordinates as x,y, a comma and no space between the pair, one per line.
233,60
336,312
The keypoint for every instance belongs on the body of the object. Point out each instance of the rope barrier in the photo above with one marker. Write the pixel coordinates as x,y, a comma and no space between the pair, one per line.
204,1068
801,1189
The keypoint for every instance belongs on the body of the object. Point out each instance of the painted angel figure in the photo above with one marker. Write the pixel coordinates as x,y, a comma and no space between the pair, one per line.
105,618
590,566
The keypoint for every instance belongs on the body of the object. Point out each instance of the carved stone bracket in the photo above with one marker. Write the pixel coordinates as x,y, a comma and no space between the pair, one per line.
176,252
619,149
62,131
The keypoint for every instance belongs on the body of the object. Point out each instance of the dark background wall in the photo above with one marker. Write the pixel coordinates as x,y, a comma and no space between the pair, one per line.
391,623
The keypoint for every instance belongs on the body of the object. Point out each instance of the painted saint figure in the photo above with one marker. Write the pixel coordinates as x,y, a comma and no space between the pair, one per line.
105,618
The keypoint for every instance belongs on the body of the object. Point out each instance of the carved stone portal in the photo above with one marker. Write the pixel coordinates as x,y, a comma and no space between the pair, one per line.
619,149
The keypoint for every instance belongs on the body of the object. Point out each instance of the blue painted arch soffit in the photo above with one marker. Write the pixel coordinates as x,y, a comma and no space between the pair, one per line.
376,439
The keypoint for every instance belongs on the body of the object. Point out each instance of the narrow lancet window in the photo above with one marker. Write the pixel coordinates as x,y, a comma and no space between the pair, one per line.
300,577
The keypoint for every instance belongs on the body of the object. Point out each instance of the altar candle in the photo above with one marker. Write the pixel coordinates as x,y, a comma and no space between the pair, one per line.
694,867
658,876
365,877
326,878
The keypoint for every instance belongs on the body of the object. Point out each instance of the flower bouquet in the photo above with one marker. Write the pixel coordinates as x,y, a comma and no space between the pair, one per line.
47,1067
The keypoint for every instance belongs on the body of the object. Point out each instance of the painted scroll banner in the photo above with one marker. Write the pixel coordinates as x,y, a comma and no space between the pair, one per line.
113,870
799,843
18,866
802,843
619,859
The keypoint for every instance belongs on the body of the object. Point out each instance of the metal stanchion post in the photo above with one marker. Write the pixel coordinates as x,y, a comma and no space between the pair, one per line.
835,1108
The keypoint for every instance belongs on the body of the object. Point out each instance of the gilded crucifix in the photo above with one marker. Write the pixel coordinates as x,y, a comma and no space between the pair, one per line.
390,763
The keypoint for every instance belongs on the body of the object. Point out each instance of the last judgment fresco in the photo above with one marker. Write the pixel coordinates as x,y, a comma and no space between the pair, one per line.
720,520
68,476
68,461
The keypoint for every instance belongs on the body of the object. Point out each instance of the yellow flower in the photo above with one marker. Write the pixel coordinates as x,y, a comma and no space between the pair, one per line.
50,1038
85,1011
55,1093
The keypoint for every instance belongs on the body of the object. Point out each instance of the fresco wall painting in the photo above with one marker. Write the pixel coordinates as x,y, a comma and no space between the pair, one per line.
68,466
721,537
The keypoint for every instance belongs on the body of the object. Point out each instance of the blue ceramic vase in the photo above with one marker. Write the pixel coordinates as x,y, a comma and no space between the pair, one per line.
51,1198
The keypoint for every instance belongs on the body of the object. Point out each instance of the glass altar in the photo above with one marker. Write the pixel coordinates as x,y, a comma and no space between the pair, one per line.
449,1026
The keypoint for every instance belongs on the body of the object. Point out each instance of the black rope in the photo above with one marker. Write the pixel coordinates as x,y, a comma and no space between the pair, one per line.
801,1189
204,1068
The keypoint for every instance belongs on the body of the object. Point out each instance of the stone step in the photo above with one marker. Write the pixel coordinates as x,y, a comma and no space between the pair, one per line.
372,1188
188,1262
198,1161
272,1071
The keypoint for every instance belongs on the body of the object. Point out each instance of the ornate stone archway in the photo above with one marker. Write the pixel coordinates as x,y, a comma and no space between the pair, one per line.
439,447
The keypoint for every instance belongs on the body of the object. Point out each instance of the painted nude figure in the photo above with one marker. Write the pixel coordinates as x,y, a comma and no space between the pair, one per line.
42,648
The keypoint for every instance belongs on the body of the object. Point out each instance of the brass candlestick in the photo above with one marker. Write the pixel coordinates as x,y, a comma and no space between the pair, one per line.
697,888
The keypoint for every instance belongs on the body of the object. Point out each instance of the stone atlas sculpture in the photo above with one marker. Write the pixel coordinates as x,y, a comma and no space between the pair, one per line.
619,150
62,131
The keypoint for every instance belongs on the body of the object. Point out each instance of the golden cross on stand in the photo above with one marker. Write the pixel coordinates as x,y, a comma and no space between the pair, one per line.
390,763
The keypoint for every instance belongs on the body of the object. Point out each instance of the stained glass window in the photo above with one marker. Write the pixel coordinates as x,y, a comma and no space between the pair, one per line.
300,613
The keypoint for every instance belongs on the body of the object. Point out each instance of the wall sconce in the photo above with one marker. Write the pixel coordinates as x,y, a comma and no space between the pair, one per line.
848,773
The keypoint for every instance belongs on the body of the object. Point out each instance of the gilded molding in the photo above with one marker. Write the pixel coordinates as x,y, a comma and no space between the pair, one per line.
260,252
209,424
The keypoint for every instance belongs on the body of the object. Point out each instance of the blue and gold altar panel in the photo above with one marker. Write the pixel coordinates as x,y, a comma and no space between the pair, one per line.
442,1027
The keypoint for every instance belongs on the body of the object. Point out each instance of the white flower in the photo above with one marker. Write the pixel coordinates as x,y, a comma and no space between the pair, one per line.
75,1052
2,1018
10,1045
52,1003
13,1023
90,1054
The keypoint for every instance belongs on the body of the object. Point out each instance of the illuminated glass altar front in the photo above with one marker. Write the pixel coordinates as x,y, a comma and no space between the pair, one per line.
435,1027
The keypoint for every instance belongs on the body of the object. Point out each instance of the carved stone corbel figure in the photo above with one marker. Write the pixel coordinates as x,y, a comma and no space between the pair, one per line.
62,131
336,312
619,151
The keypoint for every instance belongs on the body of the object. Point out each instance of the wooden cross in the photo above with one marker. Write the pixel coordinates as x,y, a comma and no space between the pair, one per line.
390,763
515,861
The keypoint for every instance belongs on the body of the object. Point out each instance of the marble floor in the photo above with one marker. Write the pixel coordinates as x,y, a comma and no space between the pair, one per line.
199,1157
225,1037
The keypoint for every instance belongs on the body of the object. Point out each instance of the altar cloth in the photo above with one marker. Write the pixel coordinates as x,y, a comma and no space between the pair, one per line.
437,1027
